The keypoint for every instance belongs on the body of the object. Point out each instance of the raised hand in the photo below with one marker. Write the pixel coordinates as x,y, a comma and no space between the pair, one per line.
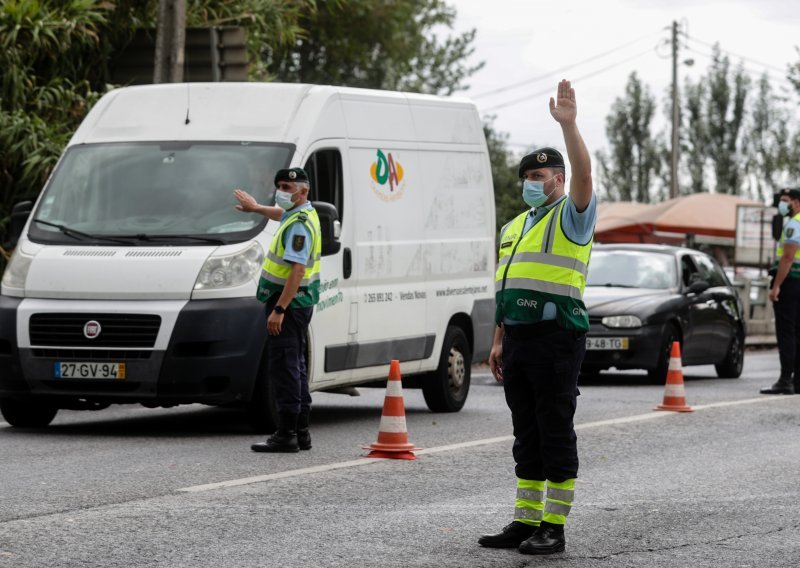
563,107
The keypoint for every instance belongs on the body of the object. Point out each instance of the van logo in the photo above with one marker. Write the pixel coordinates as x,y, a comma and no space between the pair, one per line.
387,176
91,329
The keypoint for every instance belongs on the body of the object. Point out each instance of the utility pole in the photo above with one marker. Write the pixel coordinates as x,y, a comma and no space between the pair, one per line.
673,188
170,41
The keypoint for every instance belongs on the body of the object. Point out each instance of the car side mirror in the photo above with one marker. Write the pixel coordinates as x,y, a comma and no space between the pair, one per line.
19,215
329,225
697,287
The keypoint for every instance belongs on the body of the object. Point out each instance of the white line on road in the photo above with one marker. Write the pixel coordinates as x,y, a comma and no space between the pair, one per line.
459,446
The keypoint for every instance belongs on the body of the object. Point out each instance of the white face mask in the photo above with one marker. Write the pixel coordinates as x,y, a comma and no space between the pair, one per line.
783,208
283,199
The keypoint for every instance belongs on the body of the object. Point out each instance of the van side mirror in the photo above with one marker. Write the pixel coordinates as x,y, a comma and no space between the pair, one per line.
19,215
329,225
777,227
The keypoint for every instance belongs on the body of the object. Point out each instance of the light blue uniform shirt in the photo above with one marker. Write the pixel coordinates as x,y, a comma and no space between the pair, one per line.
289,254
792,236
578,226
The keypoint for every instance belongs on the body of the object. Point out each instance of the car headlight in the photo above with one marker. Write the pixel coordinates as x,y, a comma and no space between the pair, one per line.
230,270
622,321
16,271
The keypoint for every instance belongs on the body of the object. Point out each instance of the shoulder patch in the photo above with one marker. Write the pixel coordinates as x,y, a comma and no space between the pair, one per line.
298,242
789,232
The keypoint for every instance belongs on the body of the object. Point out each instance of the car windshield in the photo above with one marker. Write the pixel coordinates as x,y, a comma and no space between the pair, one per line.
631,269
160,192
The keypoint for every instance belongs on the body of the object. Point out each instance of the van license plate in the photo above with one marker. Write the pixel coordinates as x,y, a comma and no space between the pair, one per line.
606,343
89,370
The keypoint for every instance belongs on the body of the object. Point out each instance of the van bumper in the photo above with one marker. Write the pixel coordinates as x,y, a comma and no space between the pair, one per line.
212,357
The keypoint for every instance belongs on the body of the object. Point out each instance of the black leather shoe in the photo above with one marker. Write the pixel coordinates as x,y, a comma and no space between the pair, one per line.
278,443
781,387
547,539
304,439
510,537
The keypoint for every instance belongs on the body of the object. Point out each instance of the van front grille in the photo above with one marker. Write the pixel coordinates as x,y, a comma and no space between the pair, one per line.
115,330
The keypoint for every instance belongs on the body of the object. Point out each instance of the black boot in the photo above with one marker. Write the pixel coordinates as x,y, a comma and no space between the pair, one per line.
547,539
510,537
303,435
284,440
783,386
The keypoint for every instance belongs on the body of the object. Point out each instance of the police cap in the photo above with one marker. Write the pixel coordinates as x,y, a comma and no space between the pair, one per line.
541,158
291,174
791,192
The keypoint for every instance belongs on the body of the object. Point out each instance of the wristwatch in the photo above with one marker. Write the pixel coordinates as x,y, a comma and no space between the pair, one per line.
279,309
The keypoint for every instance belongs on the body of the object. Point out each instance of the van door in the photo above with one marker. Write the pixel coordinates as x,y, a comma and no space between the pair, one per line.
389,257
334,323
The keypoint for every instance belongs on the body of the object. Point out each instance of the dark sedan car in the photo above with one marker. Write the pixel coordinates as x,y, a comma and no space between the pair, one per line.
641,298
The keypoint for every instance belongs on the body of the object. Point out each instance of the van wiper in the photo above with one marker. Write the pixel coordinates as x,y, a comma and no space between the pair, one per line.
76,234
146,237
617,285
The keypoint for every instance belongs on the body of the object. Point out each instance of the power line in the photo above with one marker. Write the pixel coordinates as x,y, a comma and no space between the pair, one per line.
761,63
781,79
550,89
559,71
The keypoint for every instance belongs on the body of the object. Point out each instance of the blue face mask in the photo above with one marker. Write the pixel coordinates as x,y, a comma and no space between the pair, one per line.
533,192
283,199
783,208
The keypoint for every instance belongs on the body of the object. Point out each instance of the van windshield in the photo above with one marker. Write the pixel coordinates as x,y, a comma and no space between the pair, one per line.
162,192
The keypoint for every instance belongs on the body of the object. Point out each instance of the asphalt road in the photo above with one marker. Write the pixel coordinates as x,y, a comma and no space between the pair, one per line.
135,487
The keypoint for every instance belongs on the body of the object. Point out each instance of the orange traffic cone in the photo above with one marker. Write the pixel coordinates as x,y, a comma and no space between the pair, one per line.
392,435
674,396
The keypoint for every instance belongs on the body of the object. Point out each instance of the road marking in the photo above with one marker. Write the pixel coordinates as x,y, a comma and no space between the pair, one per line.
450,447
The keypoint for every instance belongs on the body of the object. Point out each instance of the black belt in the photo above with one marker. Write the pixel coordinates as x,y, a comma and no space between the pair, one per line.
528,330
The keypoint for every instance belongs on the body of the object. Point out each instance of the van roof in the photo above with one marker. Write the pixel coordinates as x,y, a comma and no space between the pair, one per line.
272,112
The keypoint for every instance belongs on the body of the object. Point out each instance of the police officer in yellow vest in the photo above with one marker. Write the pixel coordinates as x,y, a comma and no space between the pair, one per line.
540,339
785,295
289,287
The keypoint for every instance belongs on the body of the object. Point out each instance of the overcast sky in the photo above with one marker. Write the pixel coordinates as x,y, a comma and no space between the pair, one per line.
597,44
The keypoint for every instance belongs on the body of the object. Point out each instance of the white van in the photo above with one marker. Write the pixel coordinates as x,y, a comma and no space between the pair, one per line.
134,277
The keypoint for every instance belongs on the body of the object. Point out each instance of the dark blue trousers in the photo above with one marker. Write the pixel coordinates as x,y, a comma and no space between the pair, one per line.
287,359
787,329
540,377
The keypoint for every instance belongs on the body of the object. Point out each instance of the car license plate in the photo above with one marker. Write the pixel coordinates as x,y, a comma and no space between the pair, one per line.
89,370
606,343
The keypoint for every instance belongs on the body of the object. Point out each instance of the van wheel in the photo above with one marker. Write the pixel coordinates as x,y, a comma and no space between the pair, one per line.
446,389
262,409
27,412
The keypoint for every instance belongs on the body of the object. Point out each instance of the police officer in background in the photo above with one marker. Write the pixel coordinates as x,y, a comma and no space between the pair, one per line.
540,339
785,295
289,286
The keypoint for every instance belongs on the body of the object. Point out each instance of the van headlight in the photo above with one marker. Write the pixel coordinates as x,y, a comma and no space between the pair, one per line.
230,270
17,271
622,321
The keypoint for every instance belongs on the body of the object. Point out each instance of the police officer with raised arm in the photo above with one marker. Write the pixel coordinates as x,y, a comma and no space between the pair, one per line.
540,338
289,287
785,295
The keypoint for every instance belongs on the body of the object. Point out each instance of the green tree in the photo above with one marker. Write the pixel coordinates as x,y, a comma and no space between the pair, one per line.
627,172
695,136
380,44
507,190
767,143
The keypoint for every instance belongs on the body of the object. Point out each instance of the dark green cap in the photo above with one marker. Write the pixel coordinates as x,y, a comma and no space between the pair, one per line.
291,174
541,158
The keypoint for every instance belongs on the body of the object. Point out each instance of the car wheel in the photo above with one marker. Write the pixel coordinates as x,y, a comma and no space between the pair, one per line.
446,389
658,375
262,408
27,412
731,367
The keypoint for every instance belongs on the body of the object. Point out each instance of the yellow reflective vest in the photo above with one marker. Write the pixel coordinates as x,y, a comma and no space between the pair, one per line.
541,266
275,270
795,271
